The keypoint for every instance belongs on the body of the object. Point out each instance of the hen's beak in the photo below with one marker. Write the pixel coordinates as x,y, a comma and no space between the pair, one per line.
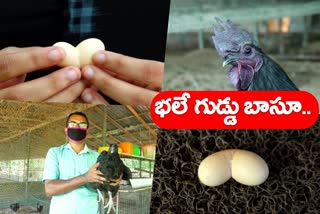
229,59
113,148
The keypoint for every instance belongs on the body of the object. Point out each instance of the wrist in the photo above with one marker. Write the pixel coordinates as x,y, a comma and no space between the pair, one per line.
85,178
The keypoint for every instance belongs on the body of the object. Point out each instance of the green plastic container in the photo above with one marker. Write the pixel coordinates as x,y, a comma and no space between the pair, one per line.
136,150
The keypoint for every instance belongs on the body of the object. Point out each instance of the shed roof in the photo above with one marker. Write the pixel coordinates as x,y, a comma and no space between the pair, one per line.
39,126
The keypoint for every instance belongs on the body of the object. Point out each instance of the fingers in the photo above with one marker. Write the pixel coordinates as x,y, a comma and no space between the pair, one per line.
69,94
94,175
120,91
97,174
13,81
89,95
94,178
95,170
147,71
99,179
18,61
13,49
95,166
44,87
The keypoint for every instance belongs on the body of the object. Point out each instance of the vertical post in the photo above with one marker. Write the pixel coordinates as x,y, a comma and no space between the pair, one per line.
28,167
233,4
257,30
200,39
117,209
220,4
140,168
104,131
150,169
306,27
9,177
140,159
281,39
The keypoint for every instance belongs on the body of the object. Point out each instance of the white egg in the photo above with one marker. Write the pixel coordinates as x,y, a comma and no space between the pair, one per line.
249,168
82,54
72,55
87,49
244,166
215,169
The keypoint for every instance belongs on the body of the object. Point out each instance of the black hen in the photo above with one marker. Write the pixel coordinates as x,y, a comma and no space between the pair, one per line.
14,207
251,68
113,169
39,208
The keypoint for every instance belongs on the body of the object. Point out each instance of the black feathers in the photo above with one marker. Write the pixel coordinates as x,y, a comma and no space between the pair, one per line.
112,168
14,207
271,77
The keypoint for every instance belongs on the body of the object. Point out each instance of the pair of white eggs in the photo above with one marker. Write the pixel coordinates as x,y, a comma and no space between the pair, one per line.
243,166
82,54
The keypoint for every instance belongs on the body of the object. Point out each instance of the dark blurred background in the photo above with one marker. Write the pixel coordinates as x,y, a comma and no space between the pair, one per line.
133,28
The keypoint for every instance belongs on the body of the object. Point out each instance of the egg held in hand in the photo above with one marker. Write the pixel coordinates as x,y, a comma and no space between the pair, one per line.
80,55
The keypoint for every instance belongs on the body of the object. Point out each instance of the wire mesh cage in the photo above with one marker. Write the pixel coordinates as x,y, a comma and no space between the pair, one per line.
21,187
134,201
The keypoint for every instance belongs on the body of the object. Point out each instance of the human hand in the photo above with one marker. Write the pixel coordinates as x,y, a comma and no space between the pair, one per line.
125,79
94,175
63,85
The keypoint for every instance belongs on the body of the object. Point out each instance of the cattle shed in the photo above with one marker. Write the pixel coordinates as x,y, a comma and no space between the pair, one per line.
29,129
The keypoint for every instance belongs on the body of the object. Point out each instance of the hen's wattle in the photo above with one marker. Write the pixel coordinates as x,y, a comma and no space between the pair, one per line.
251,68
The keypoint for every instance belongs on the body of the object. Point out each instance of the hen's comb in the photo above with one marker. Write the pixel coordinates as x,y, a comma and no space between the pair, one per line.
229,37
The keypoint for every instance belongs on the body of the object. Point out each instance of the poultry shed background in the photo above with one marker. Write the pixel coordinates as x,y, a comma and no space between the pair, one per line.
287,30
29,129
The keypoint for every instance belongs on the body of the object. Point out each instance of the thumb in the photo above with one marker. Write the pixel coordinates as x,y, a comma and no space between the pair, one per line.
96,164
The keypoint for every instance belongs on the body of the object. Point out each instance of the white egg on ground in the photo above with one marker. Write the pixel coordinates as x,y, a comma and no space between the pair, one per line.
215,169
249,168
244,166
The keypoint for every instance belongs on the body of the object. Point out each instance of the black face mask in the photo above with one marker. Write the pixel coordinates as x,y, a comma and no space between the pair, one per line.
77,134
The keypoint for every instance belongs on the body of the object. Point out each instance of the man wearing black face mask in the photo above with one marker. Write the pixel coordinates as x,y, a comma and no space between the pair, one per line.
69,168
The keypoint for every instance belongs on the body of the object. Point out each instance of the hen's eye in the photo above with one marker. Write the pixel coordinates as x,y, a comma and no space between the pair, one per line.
247,50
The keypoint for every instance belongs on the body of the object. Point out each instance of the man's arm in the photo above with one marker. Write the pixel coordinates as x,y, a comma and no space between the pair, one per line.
57,187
